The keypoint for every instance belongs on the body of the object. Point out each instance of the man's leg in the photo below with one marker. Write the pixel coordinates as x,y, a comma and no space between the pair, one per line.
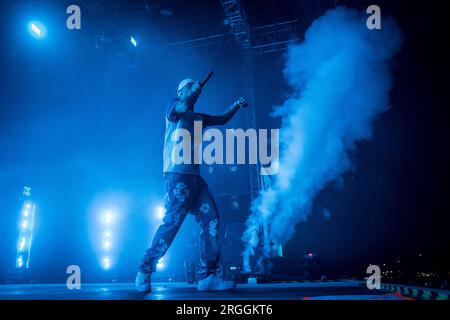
207,215
180,190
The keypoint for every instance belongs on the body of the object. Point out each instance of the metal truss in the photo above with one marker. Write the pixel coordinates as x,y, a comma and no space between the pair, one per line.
265,39
97,12
275,37
188,50
235,18
249,93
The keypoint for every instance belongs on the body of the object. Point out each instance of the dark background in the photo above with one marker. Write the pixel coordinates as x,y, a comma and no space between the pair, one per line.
81,122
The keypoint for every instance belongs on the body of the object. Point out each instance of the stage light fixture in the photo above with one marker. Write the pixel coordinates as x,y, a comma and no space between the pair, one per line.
133,41
37,29
160,264
25,232
108,223
160,212
19,263
106,244
23,240
108,217
106,263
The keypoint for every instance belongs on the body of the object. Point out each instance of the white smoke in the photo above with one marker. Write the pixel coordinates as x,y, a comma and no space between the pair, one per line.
340,81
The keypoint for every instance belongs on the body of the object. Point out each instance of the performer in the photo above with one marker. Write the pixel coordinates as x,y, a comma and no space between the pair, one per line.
186,191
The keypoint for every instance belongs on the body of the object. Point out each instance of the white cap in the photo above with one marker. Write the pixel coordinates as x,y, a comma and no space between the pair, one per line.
184,82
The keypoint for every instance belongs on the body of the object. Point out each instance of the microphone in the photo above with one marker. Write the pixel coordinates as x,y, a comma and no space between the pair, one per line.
206,79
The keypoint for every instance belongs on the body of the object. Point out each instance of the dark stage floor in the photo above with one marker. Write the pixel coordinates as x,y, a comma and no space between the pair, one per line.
343,290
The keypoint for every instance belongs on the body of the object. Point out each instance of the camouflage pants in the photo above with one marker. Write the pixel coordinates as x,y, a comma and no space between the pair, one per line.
187,194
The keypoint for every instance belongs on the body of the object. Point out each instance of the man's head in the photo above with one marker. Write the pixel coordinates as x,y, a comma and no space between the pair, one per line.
189,90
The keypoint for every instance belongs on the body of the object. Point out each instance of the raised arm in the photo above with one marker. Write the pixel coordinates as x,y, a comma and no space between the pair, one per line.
171,112
218,120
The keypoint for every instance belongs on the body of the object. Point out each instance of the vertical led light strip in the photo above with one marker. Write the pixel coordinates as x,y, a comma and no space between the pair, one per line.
26,227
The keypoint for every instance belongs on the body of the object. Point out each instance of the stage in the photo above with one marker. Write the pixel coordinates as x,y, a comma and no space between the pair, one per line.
332,290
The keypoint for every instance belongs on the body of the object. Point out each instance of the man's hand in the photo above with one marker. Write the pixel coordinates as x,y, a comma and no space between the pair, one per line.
210,120
242,103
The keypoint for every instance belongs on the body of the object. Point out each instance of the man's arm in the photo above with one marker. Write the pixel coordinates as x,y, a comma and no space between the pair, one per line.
218,120
171,112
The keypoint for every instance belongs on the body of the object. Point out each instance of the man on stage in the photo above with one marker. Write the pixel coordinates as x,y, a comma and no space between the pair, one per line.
187,192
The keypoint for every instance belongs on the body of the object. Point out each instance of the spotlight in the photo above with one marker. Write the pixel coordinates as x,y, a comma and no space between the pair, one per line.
160,212
106,263
25,226
37,29
133,41
160,264
19,262
108,222
22,244
107,217
106,244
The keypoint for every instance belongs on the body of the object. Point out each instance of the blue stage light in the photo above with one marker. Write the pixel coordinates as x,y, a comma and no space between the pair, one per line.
24,224
37,29
106,263
19,263
107,227
160,212
133,41
107,217
160,264
22,243
106,244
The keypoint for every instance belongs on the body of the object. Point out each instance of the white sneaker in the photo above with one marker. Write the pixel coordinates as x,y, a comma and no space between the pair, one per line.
143,282
215,283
